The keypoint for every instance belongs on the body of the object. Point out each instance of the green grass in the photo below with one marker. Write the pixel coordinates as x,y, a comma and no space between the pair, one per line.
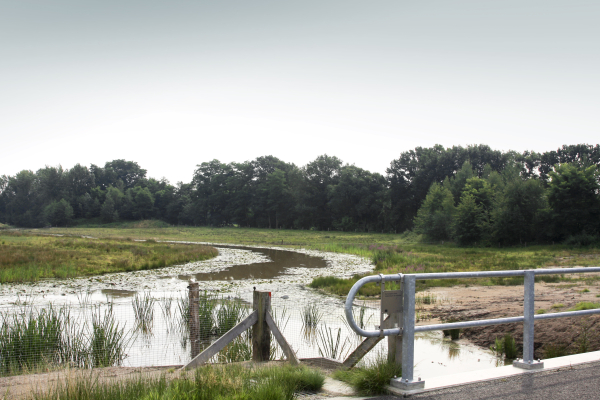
230,382
585,305
29,257
372,378
557,306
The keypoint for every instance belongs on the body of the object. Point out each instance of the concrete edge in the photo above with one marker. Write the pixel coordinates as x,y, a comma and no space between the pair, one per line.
490,374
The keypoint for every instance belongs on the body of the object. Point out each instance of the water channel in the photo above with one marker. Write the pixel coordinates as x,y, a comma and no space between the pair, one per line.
234,274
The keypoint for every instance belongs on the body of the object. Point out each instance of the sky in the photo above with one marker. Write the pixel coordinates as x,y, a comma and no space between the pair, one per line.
172,84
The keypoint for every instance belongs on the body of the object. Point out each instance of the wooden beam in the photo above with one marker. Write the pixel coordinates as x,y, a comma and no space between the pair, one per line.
223,341
287,349
363,348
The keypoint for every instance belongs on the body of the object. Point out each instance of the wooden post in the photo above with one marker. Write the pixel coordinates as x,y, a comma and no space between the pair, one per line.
261,334
194,295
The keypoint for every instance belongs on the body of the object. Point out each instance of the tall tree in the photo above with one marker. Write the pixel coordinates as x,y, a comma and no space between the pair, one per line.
574,198
435,217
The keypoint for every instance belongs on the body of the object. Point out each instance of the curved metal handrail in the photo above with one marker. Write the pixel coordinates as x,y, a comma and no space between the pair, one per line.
350,300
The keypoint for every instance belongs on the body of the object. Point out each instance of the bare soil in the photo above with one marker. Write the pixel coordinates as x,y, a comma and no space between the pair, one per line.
486,302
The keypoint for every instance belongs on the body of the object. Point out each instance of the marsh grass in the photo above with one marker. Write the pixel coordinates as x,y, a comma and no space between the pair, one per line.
372,378
505,345
143,309
240,349
311,315
206,307
330,344
453,333
33,339
229,313
108,341
229,382
552,350
28,257
425,299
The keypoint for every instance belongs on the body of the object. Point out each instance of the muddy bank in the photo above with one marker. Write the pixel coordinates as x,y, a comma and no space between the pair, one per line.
487,302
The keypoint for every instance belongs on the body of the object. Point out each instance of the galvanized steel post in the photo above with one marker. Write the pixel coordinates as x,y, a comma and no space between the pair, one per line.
528,329
406,382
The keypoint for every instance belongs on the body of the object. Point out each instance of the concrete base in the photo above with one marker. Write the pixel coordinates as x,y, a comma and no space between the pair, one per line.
465,378
407,385
528,365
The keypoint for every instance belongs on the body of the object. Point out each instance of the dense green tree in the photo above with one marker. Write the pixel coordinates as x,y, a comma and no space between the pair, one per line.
435,217
573,195
519,212
358,200
211,193
143,202
319,174
59,213
108,212
470,223
21,200
411,175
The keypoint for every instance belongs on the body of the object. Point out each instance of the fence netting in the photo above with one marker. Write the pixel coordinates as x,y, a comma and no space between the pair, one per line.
153,329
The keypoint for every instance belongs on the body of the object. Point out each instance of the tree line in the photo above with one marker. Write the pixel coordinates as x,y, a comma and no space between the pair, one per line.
470,194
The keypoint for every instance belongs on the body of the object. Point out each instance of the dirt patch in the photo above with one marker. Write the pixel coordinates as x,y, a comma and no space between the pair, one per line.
487,302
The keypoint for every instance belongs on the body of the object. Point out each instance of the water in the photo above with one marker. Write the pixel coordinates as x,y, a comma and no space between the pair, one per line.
233,275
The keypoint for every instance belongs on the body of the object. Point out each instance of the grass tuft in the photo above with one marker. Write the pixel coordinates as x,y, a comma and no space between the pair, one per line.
372,378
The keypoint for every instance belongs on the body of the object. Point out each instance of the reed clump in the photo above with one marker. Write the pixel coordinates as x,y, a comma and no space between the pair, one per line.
32,339
330,343
143,309
505,345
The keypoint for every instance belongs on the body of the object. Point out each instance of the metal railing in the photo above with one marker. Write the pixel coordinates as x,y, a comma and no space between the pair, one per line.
407,329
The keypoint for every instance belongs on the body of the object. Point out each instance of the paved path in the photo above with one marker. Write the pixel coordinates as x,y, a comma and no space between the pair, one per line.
579,382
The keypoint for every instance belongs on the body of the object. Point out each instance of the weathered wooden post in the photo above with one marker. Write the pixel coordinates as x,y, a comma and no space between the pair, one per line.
261,334
194,295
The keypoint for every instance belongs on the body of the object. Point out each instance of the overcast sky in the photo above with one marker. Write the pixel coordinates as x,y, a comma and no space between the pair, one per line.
171,84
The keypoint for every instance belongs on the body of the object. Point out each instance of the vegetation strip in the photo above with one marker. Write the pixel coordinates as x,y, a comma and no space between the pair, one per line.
27,258
223,382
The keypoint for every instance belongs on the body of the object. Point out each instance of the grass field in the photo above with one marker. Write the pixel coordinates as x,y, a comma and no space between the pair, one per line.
389,253
28,257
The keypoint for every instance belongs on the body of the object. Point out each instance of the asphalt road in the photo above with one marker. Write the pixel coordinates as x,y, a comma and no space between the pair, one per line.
576,382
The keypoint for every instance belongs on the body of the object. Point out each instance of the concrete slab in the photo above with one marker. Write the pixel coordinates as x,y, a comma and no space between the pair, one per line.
337,388
465,378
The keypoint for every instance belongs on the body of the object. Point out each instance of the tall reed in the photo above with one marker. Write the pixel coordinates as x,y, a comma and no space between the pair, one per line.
108,341
229,314
330,345
143,309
